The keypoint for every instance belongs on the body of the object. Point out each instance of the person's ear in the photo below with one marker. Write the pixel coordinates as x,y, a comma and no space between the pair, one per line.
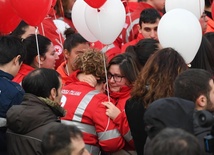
16,60
53,94
38,60
66,53
201,102
139,28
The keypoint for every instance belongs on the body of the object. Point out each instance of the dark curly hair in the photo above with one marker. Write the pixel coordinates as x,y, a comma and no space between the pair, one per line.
157,76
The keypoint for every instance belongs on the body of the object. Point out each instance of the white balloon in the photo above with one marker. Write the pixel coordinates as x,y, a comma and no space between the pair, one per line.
107,22
61,26
181,30
78,18
194,6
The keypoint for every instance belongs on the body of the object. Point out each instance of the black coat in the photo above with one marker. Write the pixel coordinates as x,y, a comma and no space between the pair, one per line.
135,111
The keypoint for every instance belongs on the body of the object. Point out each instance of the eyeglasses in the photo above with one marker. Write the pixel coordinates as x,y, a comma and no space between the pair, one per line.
117,78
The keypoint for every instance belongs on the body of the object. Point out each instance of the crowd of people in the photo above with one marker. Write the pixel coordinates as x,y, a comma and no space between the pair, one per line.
61,94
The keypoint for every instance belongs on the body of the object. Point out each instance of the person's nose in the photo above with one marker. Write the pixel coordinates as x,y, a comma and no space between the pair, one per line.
111,79
153,34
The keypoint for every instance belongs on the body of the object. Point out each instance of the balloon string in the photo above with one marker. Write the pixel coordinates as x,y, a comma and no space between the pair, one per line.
200,13
105,67
107,86
99,26
107,92
200,8
42,27
37,46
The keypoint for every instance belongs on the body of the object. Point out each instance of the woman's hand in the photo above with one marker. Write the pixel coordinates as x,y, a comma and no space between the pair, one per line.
88,78
112,111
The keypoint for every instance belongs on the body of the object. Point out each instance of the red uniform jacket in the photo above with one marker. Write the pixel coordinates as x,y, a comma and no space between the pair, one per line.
121,120
83,105
210,25
130,30
131,6
23,71
62,72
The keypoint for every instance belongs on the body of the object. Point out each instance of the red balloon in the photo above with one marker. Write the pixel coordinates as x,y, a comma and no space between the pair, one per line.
8,19
95,3
32,11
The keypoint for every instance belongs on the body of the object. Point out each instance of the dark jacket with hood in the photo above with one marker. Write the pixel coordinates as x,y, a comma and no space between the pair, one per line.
169,112
201,132
28,122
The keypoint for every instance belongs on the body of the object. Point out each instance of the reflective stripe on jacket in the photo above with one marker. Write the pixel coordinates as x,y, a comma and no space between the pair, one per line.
83,106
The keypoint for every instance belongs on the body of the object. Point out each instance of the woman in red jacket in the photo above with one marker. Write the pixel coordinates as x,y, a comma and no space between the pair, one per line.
74,44
45,57
121,73
84,109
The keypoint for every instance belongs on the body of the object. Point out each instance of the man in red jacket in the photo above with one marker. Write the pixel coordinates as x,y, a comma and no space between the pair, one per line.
130,30
147,27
